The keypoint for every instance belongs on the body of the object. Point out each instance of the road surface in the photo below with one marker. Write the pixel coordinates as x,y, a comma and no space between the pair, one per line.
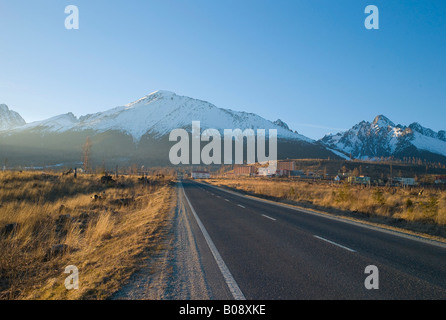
258,250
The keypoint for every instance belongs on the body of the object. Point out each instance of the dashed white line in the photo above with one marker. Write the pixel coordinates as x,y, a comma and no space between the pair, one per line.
226,200
334,243
241,206
268,217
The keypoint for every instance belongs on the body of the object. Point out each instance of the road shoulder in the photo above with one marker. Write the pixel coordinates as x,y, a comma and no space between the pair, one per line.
184,269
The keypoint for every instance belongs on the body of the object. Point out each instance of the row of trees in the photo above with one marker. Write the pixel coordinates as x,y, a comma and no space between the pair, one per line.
406,160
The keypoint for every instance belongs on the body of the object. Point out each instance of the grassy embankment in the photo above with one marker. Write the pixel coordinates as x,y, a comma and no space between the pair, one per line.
50,221
396,207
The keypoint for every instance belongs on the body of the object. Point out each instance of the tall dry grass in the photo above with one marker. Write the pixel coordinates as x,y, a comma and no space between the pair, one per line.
49,221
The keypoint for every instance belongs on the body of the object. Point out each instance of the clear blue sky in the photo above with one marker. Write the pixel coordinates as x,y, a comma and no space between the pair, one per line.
311,63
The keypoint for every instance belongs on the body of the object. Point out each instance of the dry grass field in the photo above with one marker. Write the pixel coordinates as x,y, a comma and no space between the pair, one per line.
406,208
106,229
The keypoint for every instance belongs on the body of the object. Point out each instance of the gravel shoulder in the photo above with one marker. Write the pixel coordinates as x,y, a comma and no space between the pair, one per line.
183,269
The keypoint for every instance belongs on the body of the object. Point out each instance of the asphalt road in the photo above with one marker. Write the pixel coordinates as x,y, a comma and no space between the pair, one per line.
272,252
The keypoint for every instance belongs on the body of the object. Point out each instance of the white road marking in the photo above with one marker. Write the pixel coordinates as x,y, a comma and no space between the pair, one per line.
226,200
230,281
268,217
334,243
241,206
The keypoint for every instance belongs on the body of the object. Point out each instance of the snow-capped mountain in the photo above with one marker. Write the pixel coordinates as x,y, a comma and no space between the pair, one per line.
58,123
382,138
139,132
9,119
158,114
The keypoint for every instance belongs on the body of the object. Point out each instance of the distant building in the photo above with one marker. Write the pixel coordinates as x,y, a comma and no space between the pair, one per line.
286,165
359,180
405,181
244,171
266,172
200,175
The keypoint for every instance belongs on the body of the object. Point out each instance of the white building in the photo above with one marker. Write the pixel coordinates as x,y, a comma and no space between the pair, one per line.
200,175
266,172
405,181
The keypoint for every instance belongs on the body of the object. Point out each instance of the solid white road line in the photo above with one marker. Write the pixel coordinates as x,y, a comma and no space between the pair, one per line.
230,281
268,217
334,243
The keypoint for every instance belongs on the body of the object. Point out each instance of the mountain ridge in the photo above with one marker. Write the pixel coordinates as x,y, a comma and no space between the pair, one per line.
155,115
139,132
383,138
159,113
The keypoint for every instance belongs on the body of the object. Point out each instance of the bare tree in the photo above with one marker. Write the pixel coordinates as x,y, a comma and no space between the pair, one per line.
86,151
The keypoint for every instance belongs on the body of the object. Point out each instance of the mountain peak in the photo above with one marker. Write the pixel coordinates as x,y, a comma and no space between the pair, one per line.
416,127
427,132
159,94
9,119
382,121
282,124
383,139
163,92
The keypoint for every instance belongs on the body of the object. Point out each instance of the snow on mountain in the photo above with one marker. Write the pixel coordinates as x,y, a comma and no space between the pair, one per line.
441,135
58,123
428,143
9,119
282,124
158,114
382,122
383,138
